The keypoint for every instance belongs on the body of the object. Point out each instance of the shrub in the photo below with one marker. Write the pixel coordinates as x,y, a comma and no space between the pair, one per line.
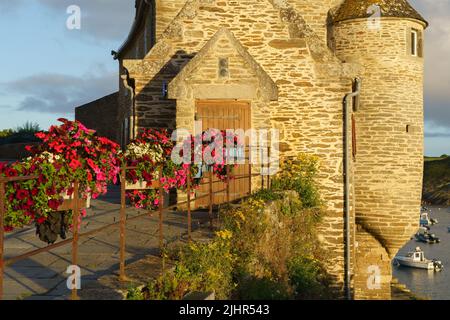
5,133
253,288
200,267
299,174
307,278
28,127
267,248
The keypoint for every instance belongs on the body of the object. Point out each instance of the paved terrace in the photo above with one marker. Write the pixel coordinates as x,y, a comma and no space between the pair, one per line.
43,276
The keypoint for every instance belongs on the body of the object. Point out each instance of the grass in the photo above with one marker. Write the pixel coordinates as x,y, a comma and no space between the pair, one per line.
428,159
436,181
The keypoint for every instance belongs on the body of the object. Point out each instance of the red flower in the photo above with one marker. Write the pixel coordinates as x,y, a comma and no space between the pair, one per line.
41,135
41,220
75,164
22,194
53,204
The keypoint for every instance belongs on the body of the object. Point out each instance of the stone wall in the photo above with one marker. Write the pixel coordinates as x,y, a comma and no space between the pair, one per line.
315,14
101,116
311,84
373,269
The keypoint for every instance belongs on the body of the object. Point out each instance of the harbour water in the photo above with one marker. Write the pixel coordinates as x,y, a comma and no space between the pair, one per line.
424,283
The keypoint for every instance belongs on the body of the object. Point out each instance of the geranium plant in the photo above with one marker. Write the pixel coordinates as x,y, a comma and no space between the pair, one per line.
69,152
149,154
153,151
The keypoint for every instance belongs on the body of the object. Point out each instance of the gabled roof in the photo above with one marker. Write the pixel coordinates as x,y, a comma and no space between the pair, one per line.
268,87
142,8
354,9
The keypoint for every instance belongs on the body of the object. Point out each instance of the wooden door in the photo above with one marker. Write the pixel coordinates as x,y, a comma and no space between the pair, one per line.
223,115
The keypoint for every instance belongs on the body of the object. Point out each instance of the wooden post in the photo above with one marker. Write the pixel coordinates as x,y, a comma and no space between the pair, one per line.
228,184
122,274
160,206
268,167
75,217
2,231
189,204
211,197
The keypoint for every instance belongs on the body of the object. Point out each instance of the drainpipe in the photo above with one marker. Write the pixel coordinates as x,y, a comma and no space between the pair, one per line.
126,82
347,112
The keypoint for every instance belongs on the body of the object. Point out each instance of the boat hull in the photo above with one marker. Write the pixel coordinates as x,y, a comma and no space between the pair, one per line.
428,265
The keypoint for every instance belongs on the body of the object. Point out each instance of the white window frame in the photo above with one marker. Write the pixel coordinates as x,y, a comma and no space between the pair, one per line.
414,43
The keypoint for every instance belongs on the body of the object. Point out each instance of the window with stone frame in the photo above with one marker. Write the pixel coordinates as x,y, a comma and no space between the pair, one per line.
415,43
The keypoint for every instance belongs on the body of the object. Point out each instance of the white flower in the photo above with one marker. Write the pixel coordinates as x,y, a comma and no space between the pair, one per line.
137,151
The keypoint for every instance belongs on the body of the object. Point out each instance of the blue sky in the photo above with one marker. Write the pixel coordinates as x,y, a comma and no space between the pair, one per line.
48,69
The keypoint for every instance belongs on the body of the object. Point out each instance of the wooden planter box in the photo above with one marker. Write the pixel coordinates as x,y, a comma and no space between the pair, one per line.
68,203
141,185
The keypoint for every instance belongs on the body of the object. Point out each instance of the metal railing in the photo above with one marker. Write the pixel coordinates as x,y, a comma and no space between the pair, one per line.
121,224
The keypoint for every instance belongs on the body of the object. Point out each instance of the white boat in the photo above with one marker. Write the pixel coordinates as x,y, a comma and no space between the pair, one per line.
416,259
424,219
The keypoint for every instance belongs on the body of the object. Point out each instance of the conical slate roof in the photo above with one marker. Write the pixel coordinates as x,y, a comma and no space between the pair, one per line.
354,9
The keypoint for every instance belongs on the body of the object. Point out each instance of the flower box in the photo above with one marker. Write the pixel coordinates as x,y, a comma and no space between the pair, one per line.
68,204
141,185
86,201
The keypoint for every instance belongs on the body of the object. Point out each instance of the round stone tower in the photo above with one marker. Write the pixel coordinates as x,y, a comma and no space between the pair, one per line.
385,37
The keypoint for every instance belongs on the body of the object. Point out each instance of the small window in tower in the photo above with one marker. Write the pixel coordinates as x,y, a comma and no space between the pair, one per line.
414,43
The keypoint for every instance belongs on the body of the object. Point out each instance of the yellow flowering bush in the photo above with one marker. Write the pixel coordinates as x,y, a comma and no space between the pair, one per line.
299,174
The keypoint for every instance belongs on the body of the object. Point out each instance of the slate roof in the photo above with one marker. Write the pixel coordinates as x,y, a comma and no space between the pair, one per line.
354,9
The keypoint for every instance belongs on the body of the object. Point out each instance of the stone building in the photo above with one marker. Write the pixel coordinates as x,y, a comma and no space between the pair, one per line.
288,64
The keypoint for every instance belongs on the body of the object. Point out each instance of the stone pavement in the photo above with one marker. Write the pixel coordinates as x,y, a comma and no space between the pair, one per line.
43,276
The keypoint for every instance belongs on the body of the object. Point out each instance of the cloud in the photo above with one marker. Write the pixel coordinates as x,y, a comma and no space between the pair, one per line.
437,62
60,93
7,7
100,19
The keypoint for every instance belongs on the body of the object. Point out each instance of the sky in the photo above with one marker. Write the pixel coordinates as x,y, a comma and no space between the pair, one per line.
47,69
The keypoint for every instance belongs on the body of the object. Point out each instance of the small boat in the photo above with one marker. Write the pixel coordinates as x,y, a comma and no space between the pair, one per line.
416,259
434,221
424,236
424,219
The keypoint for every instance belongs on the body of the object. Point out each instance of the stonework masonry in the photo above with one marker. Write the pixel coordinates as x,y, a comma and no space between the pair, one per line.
294,61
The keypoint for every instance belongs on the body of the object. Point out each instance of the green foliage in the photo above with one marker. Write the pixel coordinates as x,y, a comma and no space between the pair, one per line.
267,195
22,134
254,288
299,174
306,276
6,133
267,248
28,127
135,294
436,181
200,267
